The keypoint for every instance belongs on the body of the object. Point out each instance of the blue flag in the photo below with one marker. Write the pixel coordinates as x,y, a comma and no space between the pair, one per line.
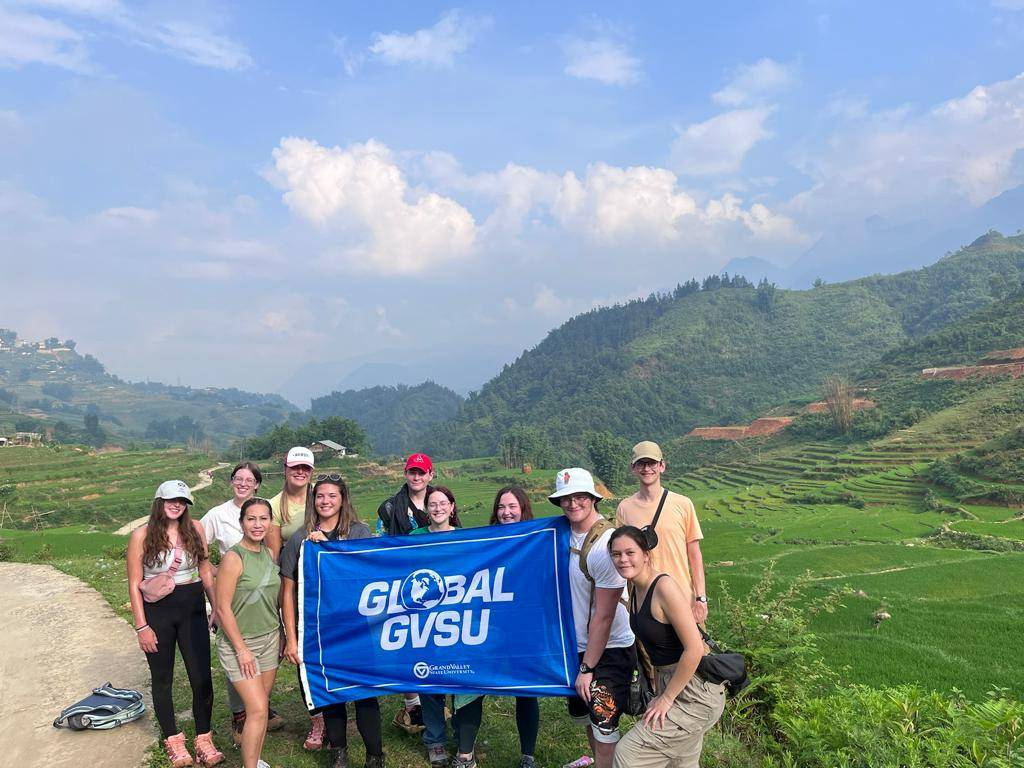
482,610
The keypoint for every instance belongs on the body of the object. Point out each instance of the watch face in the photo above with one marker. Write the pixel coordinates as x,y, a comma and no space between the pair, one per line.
584,669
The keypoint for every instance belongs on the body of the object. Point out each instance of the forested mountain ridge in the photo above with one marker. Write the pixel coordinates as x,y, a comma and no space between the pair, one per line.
48,387
393,417
720,354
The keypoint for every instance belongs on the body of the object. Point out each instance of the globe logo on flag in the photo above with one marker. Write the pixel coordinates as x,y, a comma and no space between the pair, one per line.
422,590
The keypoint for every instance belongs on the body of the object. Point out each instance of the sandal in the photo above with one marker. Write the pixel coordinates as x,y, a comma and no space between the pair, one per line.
177,752
206,753
317,731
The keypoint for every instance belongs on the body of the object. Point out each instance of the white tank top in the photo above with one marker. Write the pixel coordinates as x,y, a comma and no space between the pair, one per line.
186,574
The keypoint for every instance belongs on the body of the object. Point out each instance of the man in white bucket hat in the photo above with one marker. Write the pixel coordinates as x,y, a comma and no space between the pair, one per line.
604,640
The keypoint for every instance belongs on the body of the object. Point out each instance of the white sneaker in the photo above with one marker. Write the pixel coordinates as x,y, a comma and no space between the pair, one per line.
261,763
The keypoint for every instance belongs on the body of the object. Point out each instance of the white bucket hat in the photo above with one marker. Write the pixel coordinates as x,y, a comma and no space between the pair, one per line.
174,489
573,480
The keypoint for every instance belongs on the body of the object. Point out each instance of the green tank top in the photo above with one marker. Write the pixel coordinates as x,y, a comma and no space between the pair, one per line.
255,600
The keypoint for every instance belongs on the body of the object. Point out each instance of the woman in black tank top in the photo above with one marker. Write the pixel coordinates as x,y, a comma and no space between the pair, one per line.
685,706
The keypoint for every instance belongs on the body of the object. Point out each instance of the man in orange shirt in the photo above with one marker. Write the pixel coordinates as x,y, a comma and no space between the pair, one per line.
678,551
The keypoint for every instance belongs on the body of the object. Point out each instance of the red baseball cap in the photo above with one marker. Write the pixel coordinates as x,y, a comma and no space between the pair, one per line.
419,461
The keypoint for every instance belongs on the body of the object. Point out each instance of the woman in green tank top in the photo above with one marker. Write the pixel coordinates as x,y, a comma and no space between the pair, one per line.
248,583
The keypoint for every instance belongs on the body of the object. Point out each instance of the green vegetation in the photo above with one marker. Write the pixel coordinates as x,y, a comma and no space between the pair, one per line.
55,390
279,439
393,417
713,354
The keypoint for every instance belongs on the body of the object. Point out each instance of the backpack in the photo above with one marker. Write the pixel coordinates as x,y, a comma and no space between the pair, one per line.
107,707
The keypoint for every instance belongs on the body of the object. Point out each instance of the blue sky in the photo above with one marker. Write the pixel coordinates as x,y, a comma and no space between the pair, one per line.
270,196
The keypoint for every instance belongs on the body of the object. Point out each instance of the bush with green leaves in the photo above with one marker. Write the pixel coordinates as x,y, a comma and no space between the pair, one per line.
770,626
862,727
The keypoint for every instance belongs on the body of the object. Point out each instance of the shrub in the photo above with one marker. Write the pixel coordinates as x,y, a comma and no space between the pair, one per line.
6,551
904,726
770,626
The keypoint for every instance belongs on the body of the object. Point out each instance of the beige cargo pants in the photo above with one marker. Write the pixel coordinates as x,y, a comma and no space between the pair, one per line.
678,742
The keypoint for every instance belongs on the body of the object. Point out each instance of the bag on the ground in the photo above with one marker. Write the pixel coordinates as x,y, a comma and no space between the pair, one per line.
158,587
723,667
107,707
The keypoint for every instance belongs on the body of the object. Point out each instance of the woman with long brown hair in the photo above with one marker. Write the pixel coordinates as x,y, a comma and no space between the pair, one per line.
332,518
168,573
512,505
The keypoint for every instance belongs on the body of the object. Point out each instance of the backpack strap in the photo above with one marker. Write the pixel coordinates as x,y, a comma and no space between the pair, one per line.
595,533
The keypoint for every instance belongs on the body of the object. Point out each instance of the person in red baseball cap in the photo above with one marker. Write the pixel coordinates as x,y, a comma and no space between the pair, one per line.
400,515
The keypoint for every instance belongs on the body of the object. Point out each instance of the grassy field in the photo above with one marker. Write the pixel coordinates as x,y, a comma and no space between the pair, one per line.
851,516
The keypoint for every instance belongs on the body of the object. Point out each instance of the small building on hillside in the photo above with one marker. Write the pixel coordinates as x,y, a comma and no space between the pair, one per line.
25,438
328,447
3,442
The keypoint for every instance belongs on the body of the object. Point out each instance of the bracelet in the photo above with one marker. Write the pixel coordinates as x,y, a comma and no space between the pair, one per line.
139,629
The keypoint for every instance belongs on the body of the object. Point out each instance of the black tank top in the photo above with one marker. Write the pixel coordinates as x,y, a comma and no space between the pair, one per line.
660,640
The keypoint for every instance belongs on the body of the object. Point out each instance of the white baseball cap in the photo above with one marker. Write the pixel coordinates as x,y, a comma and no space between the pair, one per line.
174,489
299,455
573,480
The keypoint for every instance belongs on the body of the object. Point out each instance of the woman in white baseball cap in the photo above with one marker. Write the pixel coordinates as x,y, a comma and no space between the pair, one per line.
295,501
168,573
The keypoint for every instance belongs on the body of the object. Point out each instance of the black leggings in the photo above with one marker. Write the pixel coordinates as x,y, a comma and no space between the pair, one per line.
336,722
528,723
180,619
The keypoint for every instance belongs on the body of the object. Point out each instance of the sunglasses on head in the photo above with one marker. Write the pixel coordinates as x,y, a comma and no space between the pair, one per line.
334,478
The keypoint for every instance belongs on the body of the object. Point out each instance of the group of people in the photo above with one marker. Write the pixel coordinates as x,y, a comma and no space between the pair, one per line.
637,585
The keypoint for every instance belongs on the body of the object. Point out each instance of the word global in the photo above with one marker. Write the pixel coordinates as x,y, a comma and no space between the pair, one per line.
424,590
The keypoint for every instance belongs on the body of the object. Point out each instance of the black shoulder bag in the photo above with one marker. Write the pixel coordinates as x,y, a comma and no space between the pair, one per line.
648,530
723,667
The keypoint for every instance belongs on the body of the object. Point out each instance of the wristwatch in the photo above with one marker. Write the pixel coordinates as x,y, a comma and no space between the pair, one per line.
701,598
585,669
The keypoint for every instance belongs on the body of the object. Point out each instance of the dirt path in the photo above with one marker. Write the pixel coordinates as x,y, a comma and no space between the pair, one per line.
205,481
60,640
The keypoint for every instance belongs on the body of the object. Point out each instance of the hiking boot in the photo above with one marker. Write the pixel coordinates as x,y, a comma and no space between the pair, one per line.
527,761
339,757
206,753
237,724
274,720
437,756
177,752
409,720
375,761
463,762
317,731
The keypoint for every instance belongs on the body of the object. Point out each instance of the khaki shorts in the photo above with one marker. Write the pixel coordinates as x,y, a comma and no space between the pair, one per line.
264,647
678,743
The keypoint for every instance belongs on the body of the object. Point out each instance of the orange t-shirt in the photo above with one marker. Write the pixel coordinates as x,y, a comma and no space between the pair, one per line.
677,526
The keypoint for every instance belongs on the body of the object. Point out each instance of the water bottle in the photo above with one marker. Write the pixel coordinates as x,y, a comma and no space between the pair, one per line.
584,762
380,527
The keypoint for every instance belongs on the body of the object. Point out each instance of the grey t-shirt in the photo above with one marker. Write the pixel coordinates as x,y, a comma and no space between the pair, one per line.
290,553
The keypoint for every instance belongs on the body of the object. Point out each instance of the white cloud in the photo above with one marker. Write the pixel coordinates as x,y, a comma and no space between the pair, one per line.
31,39
360,194
640,205
350,60
1009,5
912,162
201,46
718,146
604,59
752,83
434,46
